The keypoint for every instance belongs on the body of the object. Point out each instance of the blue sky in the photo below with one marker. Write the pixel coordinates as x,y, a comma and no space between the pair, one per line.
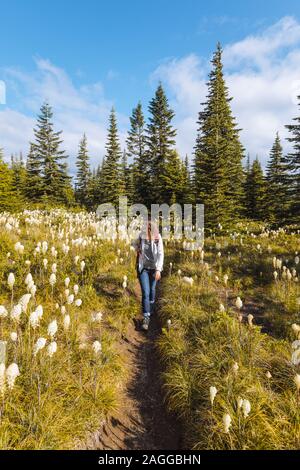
87,56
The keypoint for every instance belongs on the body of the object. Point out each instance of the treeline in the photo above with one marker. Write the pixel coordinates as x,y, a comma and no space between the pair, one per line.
150,170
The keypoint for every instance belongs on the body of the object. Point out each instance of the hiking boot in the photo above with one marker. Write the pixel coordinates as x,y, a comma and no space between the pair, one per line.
145,324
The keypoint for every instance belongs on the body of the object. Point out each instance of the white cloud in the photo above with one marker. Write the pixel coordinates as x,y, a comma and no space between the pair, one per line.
76,110
263,75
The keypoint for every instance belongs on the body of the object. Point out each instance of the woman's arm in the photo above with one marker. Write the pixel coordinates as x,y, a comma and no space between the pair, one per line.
160,252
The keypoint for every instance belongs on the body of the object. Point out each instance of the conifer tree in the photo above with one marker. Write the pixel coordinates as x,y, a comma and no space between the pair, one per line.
292,161
160,141
7,195
256,202
186,196
127,178
83,172
277,195
33,185
56,185
111,182
172,178
18,178
218,172
247,212
136,151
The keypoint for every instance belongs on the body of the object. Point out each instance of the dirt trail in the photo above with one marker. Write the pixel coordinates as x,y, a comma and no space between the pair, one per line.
142,421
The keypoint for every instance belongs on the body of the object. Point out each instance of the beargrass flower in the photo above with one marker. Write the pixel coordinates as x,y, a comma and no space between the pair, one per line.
3,312
52,328
212,394
12,372
11,280
67,322
97,347
52,348
246,408
40,344
226,422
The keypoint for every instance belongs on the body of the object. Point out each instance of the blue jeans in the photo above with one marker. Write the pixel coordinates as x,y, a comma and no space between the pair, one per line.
148,285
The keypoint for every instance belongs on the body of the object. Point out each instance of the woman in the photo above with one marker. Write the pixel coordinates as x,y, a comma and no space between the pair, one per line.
150,259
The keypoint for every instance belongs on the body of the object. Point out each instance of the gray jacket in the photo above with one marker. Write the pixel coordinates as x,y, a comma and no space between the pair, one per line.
157,249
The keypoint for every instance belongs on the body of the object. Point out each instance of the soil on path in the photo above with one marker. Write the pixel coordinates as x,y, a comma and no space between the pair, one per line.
142,421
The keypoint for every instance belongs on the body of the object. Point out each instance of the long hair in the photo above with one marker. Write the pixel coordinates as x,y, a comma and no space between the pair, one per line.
151,227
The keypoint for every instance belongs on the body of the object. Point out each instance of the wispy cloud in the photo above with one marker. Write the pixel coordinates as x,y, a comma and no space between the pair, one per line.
77,109
262,72
263,75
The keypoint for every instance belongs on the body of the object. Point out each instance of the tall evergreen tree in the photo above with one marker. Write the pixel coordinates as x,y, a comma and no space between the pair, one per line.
33,186
127,178
111,176
187,191
136,150
18,177
218,172
160,144
292,161
247,212
256,202
56,185
277,194
7,195
83,172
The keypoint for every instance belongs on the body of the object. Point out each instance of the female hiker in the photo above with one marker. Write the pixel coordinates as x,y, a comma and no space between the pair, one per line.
150,259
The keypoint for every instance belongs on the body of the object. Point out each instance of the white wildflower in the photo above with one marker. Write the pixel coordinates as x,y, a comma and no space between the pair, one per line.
12,372
15,314
67,322
3,312
238,303
226,422
14,336
97,347
52,328
212,394
11,280
34,320
52,348
246,408
40,344
52,279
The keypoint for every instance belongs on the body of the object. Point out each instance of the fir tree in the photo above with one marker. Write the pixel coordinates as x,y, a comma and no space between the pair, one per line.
160,144
18,177
292,161
83,172
136,150
7,196
247,188
56,185
127,178
33,185
186,196
111,171
277,195
257,192
218,173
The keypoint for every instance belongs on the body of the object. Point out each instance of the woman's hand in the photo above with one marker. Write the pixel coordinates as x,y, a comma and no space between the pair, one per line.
157,275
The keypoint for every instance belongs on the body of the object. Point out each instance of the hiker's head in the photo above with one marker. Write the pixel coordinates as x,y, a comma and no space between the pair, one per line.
151,230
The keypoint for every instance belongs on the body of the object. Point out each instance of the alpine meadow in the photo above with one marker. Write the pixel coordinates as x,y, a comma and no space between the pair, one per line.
219,366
